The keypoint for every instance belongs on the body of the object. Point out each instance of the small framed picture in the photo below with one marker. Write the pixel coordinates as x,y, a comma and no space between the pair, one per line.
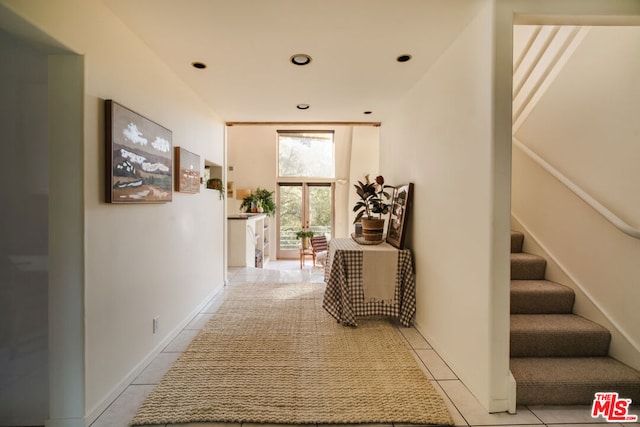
188,167
399,215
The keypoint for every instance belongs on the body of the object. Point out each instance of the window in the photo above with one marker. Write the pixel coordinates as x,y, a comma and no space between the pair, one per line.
306,154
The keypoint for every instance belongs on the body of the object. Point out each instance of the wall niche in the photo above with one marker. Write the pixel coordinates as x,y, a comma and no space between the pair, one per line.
213,179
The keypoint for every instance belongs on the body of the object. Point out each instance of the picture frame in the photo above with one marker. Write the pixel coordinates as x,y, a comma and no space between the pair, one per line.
187,177
138,157
401,204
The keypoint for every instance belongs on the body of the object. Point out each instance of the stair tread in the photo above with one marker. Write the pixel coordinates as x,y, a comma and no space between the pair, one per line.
536,286
526,256
556,335
571,381
585,370
555,323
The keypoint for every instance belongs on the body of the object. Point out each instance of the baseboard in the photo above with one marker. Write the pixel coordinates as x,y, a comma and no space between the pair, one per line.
99,408
512,394
65,422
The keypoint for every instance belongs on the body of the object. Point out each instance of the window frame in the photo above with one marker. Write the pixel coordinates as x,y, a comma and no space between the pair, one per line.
285,178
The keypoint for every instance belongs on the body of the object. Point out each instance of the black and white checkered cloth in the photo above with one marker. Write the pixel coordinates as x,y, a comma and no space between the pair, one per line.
344,295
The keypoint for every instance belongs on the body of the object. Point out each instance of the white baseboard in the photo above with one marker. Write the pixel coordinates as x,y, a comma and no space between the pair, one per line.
512,394
65,422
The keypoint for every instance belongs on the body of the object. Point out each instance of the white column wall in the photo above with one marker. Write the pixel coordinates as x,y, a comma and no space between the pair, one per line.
441,139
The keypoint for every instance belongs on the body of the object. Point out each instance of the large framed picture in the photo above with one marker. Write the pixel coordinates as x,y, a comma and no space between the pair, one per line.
188,171
138,156
400,209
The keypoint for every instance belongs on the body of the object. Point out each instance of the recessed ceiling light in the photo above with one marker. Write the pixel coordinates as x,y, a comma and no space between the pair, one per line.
300,59
302,106
403,58
199,65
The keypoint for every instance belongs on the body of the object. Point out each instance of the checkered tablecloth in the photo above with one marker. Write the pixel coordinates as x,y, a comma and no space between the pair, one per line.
344,296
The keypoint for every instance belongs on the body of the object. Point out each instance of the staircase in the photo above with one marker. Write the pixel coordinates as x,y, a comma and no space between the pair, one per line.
557,357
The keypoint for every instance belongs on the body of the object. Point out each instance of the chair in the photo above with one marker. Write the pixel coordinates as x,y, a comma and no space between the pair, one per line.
320,247
305,253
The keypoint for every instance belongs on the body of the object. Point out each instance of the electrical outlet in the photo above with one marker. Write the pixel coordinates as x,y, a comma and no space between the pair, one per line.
155,324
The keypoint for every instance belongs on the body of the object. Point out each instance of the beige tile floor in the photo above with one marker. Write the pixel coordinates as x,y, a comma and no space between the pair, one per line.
464,407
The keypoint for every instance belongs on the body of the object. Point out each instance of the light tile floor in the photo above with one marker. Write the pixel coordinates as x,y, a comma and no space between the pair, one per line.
464,407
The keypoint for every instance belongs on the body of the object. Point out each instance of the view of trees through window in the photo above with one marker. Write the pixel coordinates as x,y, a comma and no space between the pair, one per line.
305,204
305,154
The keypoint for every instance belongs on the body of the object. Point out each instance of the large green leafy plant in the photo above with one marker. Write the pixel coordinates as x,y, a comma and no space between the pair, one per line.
372,199
260,197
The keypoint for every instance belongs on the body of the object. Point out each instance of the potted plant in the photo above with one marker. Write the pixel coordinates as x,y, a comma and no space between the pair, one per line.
371,206
216,184
259,198
265,198
305,236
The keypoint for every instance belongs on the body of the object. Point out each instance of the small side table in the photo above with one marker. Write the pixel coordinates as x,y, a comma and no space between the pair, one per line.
307,252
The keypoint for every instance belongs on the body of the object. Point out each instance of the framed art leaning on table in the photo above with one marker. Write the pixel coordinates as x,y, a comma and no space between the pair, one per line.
400,209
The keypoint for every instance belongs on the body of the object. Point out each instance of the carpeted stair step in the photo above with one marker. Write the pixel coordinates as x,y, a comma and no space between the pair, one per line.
516,241
540,297
572,381
525,266
557,335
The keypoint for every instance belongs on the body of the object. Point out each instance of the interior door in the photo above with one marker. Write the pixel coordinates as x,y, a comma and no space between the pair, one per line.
303,206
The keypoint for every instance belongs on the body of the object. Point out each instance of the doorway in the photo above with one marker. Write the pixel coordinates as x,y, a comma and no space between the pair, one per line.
24,282
304,206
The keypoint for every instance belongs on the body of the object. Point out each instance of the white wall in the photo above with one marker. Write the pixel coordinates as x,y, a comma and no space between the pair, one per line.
587,121
441,140
140,261
364,160
586,127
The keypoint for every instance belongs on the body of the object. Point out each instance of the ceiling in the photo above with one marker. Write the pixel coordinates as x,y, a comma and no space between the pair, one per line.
247,45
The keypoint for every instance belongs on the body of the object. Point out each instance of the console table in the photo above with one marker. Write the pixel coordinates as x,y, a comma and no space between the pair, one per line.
344,297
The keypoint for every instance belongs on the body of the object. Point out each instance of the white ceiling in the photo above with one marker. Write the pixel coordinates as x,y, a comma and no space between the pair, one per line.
247,44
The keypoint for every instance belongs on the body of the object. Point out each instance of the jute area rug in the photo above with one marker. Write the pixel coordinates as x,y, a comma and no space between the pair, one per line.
271,354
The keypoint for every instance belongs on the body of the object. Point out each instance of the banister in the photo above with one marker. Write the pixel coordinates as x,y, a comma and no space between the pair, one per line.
586,197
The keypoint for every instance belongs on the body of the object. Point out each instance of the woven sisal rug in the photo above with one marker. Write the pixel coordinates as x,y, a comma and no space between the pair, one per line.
271,354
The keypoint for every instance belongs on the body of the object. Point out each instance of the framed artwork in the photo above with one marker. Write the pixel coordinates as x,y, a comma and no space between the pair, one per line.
138,156
400,209
188,167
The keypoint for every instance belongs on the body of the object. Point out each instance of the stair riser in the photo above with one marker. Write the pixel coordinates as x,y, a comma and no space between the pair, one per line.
528,270
559,345
571,394
541,304
516,241
571,381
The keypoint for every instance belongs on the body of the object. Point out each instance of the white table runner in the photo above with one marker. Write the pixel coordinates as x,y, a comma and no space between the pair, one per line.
379,272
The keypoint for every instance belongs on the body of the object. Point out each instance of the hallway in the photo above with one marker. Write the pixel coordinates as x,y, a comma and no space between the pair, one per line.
463,406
